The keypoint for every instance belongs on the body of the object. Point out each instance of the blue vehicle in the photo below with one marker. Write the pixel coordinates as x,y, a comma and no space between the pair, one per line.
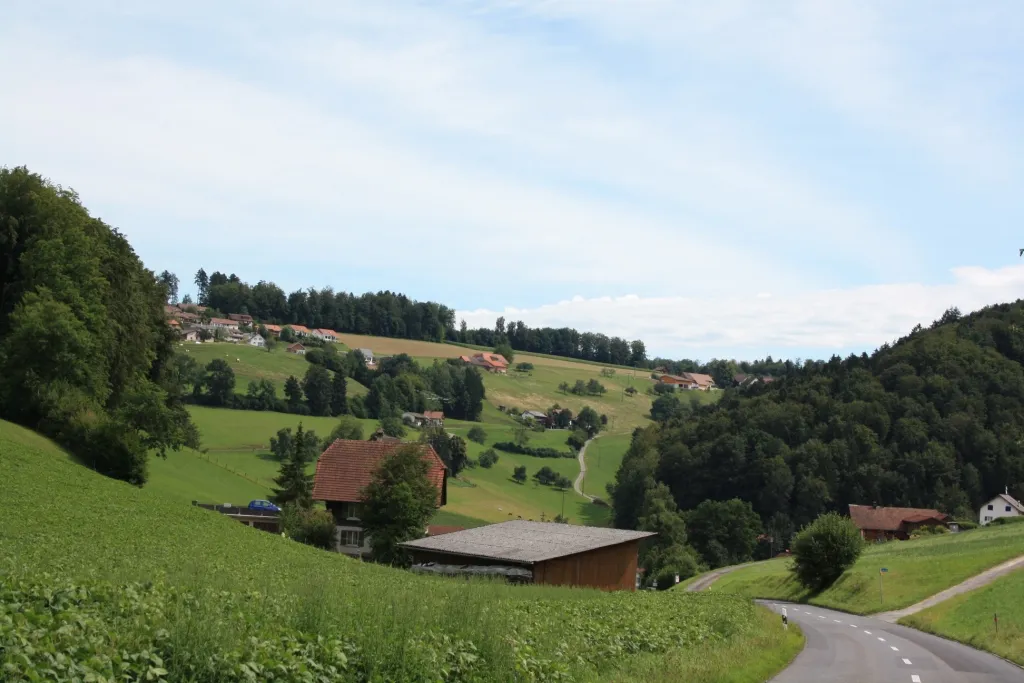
263,505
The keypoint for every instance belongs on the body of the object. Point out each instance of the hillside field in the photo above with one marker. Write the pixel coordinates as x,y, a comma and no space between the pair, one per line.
917,568
102,580
970,617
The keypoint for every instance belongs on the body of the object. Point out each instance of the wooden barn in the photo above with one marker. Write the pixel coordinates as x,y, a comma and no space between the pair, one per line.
537,552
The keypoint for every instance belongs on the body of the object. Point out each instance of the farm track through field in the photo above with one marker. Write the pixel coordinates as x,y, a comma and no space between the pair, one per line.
583,471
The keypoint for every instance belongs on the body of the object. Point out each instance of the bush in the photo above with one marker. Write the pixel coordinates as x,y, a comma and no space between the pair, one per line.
519,474
477,434
392,426
929,530
999,521
824,549
510,447
488,458
312,527
967,525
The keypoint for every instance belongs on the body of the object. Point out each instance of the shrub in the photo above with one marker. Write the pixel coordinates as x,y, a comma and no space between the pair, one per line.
312,527
519,474
476,433
967,525
999,521
510,447
488,458
824,549
392,426
929,530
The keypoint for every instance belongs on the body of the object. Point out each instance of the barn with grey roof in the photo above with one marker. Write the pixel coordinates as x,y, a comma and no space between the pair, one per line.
541,552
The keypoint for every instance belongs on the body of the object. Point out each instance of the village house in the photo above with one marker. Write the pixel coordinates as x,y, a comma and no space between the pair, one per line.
345,469
536,416
257,340
414,419
434,418
190,334
678,382
241,318
329,336
300,330
368,357
272,329
225,324
535,552
491,362
1002,505
296,348
887,524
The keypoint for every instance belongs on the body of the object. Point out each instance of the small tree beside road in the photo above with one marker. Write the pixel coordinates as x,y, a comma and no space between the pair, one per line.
824,549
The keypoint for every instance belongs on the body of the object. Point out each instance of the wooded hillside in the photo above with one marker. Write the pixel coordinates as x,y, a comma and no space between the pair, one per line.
935,420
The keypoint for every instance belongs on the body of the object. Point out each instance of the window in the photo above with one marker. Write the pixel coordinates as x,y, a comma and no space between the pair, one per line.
989,507
351,539
350,511
1007,508
987,518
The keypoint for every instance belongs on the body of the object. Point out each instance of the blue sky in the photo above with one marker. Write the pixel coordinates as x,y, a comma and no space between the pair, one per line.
719,179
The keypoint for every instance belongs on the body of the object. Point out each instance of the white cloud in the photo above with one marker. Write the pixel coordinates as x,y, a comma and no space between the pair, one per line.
810,323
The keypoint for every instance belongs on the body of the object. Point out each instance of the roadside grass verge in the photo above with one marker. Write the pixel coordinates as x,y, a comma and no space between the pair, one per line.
101,579
917,569
970,617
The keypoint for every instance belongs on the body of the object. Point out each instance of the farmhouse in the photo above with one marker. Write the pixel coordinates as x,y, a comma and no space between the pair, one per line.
241,318
678,382
190,335
491,362
414,419
537,416
434,417
368,357
296,348
345,469
1002,505
273,329
257,340
537,552
886,524
323,335
300,330
225,324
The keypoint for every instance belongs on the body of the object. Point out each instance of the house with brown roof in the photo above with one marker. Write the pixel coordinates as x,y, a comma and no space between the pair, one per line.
300,330
226,324
345,469
703,382
491,362
329,336
297,349
887,524
273,329
434,417
678,382
241,318
1003,505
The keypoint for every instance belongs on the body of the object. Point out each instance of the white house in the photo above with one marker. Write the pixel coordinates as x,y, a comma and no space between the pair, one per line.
257,340
367,357
1002,505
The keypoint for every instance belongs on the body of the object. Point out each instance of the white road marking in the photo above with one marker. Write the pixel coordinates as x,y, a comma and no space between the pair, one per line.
821,616
881,639
914,678
894,648
906,661
868,632
837,621
853,625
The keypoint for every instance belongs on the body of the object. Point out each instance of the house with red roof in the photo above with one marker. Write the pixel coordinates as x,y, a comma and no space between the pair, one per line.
434,417
329,336
887,524
273,329
491,362
300,330
345,469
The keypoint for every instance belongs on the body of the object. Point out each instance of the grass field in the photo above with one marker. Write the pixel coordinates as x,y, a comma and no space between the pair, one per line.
101,579
917,569
251,363
604,455
970,617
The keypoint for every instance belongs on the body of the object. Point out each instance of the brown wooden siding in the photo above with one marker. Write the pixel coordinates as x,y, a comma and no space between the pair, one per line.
611,569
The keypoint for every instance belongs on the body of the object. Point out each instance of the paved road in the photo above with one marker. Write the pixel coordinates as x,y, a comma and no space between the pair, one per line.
842,648
583,471
970,584
704,582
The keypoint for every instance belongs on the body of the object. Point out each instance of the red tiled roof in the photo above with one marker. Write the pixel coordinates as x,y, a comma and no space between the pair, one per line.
241,317
223,321
890,519
299,328
347,467
701,380
439,529
465,359
330,333
433,414
272,328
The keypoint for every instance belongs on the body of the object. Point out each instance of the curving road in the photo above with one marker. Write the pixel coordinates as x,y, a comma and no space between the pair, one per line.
704,582
583,471
843,648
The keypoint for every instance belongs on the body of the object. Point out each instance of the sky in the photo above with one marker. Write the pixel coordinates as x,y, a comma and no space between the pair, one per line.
727,179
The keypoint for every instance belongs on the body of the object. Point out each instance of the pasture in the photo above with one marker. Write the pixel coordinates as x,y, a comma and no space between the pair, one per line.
917,569
121,583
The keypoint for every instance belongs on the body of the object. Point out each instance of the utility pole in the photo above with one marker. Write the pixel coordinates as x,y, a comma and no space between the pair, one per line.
563,505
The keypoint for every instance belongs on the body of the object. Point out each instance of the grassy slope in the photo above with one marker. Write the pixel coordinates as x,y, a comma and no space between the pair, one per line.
604,455
251,363
106,531
917,569
969,617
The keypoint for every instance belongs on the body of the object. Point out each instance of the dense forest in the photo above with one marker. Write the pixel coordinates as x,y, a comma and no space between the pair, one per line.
934,420
387,314
83,341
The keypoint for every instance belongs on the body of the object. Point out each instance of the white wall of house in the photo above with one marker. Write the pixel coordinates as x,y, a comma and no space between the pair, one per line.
257,340
996,508
350,540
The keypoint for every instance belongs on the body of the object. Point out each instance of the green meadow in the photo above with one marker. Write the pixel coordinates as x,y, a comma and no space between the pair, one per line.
917,568
100,580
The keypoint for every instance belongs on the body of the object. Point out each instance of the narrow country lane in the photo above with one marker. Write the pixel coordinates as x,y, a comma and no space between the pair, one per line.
843,648
583,470
704,582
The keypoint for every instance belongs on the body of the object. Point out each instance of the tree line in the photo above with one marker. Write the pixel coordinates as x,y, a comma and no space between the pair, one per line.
84,348
935,420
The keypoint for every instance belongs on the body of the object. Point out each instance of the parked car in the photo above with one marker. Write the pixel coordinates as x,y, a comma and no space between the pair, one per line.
263,505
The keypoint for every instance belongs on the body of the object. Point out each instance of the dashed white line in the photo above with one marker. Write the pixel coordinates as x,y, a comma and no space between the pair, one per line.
868,632
906,661
821,616
894,648
881,639
914,678
837,621
853,625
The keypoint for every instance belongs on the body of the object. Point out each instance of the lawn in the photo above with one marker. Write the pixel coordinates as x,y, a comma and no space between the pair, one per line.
101,579
251,363
917,569
604,455
970,617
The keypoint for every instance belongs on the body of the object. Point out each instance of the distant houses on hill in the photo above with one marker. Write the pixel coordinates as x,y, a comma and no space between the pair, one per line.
491,362
692,381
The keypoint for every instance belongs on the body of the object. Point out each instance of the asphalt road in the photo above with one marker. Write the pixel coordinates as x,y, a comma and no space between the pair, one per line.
704,582
842,648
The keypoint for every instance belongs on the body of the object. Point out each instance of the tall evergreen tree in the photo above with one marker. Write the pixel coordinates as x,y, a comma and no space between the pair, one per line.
294,484
318,390
293,391
202,286
339,394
